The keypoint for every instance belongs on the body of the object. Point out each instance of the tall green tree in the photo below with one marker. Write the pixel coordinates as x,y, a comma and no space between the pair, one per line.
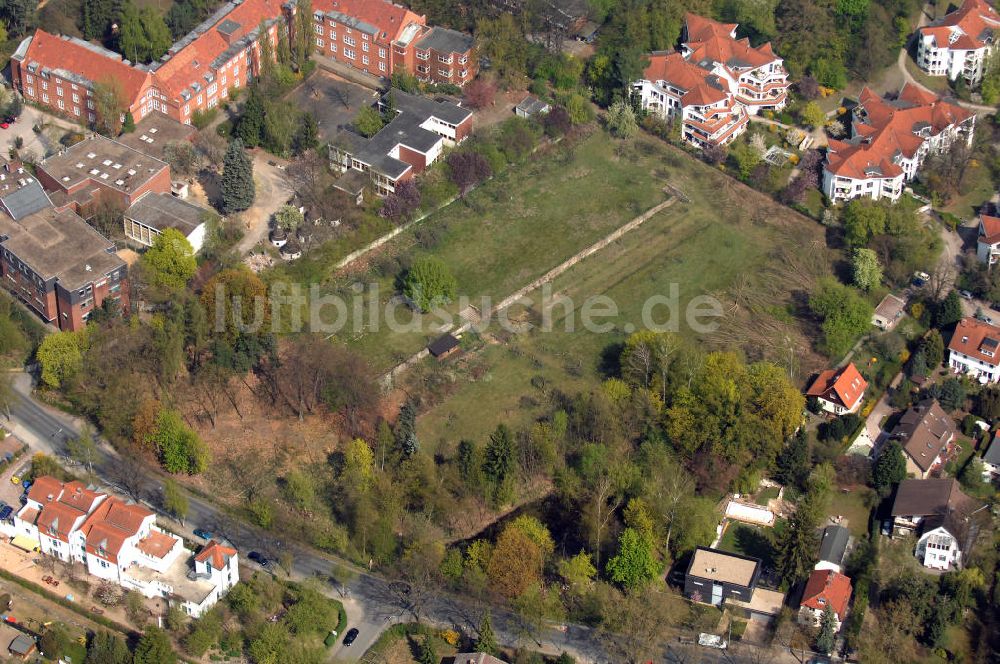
175,501
96,18
109,106
107,648
949,311
932,346
498,464
827,631
180,448
170,262
154,648
635,563
60,357
889,469
487,641
429,283
303,32
251,123
83,448
866,269
238,189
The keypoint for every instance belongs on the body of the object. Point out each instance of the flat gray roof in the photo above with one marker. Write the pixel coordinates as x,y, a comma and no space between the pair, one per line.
444,40
163,211
60,245
154,132
102,160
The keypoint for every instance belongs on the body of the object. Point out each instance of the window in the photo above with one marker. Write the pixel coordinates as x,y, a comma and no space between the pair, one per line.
333,47
236,71
222,82
76,98
318,27
333,35
444,60
45,85
31,92
381,66
364,59
76,110
90,104
381,53
91,117
349,41
213,88
422,55
61,105
59,92
348,53
365,37
187,109
423,69
200,100
445,72
320,43
45,98
364,46
462,60
29,78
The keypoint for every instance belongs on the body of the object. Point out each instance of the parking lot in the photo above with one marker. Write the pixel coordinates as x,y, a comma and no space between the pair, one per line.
333,101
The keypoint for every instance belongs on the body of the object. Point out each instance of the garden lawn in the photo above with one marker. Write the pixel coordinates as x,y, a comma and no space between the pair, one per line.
748,540
519,225
852,506
720,238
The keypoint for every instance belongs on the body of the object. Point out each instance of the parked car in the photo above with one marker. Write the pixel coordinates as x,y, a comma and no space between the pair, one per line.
14,479
351,635
920,278
712,641
202,533
966,294
26,484
5,512
259,558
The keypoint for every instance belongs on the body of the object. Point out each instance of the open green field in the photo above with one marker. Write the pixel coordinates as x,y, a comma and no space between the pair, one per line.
728,241
518,226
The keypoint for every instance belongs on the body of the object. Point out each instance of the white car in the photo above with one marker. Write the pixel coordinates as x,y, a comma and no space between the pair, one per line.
712,641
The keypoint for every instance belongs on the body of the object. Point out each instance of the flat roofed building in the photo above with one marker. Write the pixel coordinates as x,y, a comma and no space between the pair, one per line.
154,213
60,266
713,576
97,167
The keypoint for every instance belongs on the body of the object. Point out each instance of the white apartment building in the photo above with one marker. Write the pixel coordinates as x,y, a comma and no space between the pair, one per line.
713,84
890,139
960,43
120,542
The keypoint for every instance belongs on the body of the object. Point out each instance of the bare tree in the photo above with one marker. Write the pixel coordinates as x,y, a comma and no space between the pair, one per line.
942,279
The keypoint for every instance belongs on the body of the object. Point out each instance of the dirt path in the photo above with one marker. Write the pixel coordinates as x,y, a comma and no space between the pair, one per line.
273,190
545,278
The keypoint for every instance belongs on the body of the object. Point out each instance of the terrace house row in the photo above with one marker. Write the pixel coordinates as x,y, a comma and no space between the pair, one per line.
223,53
959,44
713,84
890,139
119,541
408,144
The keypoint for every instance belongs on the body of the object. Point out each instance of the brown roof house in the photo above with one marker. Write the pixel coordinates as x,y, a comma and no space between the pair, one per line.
945,520
925,431
888,312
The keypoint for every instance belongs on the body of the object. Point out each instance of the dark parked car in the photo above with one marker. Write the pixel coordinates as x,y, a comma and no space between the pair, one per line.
5,511
259,558
351,635
202,533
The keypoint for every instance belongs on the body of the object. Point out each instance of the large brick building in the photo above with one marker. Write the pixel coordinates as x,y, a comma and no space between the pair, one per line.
223,53
381,37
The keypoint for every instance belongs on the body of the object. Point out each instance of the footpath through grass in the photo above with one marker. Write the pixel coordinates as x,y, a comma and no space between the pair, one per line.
726,237
512,230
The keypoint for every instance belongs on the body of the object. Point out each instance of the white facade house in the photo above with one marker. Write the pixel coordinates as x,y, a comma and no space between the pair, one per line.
153,213
890,139
974,350
120,542
938,549
959,44
839,391
988,242
714,84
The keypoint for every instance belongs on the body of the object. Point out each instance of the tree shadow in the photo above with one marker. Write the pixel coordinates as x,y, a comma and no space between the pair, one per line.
756,544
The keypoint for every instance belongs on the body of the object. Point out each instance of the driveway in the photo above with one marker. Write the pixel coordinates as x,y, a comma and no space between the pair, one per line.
273,191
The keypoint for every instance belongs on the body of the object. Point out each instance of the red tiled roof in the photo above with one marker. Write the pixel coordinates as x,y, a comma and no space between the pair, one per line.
977,340
388,17
216,554
76,495
827,587
713,41
989,229
57,520
55,52
701,86
107,527
888,132
156,544
974,21
192,62
845,386
45,489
